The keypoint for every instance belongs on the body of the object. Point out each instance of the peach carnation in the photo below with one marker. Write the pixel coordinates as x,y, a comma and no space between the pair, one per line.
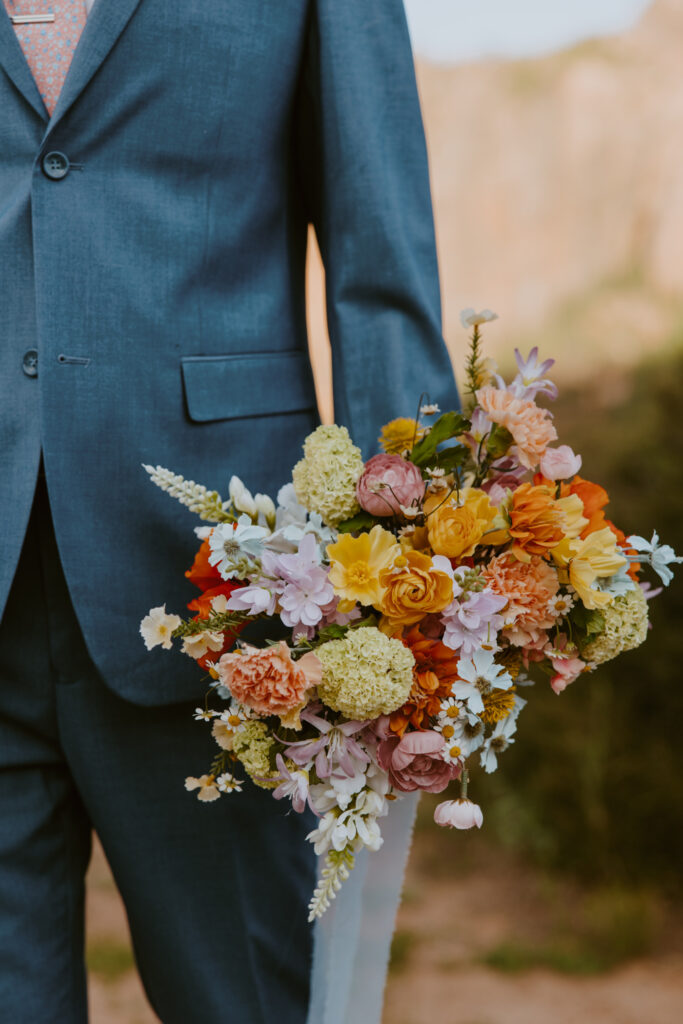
530,588
267,680
531,427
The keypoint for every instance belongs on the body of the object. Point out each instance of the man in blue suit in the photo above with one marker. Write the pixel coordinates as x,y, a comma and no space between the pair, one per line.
153,232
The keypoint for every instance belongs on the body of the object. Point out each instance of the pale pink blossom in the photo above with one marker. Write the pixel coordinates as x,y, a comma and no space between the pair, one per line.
560,463
461,813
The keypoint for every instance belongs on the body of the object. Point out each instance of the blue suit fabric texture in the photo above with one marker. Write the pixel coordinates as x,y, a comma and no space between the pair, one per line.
153,237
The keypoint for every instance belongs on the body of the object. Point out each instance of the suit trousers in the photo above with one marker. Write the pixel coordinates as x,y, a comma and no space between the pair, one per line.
215,893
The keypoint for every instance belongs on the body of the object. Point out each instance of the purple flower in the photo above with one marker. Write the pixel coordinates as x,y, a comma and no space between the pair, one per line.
472,620
307,589
530,381
294,785
334,752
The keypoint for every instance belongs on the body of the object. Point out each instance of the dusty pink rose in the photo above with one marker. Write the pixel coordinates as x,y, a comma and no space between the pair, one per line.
414,762
387,482
560,463
268,680
458,814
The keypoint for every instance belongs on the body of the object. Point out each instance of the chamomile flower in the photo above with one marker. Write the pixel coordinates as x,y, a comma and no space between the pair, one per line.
227,783
562,604
204,715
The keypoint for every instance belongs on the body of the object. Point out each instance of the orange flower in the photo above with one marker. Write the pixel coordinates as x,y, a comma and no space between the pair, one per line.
203,574
535,522
413,588
436,669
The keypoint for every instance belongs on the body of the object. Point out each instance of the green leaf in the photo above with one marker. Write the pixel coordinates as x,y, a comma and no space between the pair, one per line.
588,621
449,425
498,441
361,521
449,459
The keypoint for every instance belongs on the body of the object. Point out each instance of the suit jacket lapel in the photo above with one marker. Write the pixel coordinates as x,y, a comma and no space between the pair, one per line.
105,24
14,63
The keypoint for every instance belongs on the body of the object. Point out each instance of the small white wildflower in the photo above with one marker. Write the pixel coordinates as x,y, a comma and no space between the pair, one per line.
206,784
470,318
562,604
227,783
429,409
203,715
660,556
410,511
198,644
157,628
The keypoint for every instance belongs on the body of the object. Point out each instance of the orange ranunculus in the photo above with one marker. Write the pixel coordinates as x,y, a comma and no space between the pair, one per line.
535,522
204,575
413,588
436,669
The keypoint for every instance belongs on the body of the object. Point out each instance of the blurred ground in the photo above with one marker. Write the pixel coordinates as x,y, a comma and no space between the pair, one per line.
464,905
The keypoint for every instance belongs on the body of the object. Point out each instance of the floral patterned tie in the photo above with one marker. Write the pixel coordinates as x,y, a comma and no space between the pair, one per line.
49,45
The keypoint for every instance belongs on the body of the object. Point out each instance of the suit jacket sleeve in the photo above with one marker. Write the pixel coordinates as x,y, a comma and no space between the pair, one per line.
363,164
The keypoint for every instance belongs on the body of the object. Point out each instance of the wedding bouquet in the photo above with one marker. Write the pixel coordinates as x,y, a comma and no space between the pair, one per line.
420,591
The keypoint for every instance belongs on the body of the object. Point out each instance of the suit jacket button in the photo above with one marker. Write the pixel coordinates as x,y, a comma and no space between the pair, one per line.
56,165
30,363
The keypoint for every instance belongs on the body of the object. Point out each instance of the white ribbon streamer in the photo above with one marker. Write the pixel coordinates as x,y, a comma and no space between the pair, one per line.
352,940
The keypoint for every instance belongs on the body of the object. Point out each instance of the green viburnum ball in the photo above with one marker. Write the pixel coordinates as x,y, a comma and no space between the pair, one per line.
252,744
325,479
366,674
626,622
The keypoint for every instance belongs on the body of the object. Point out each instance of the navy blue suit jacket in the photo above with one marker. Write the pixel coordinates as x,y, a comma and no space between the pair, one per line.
158,272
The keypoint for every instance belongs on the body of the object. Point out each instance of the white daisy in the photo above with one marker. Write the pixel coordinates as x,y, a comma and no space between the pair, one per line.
203,715
227,783
481,674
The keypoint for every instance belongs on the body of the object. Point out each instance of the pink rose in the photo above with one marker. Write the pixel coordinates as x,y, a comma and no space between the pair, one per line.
458,814
268,680
560,463
414,762
387,482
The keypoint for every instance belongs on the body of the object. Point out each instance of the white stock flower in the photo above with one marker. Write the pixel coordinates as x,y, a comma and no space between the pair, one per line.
157,628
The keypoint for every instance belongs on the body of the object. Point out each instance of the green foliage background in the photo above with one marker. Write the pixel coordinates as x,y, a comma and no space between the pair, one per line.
594,784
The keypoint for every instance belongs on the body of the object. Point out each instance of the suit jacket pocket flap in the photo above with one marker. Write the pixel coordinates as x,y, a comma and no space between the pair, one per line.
259,384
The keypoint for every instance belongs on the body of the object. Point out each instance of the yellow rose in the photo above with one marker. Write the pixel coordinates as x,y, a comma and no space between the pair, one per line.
456,529
413,588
